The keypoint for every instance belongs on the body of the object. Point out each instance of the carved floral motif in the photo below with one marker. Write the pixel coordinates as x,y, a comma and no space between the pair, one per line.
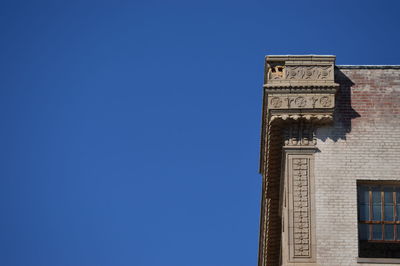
276,102
325,101
308,73
301,208
300,101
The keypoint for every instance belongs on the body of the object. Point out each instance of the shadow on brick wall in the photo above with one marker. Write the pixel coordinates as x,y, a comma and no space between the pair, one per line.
343,113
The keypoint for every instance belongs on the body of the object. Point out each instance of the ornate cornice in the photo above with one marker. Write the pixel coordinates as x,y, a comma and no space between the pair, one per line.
300,84
297,87
294,71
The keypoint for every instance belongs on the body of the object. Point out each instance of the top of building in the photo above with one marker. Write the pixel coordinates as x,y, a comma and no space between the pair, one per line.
368,66
303,55
286,71
312,57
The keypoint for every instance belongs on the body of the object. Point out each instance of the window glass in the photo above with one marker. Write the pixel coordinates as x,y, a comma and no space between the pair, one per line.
389,231
378,220
377,210
363,231
388,194
363,194
398,204
398,232
376,204
376,232
389,204
364,212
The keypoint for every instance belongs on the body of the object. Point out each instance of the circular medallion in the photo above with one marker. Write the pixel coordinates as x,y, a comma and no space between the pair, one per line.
300,101
276,102
325,101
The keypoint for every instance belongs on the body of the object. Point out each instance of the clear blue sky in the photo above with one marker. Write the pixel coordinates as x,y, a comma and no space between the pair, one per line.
130,129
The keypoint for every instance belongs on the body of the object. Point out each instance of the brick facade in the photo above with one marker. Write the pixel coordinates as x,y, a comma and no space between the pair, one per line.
362,144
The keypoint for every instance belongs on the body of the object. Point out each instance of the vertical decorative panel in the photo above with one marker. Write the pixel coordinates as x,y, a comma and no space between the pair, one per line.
301,208
299,96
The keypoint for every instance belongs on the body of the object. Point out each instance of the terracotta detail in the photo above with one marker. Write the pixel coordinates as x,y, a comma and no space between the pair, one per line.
301,208
299,96
301,101
299,134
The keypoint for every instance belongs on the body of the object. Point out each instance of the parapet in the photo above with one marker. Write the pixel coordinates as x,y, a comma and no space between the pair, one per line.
299,71
300,86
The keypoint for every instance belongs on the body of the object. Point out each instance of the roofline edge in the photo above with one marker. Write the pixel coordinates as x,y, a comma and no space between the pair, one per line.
368,66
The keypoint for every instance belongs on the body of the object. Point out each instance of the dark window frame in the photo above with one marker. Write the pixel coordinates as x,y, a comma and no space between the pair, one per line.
368,207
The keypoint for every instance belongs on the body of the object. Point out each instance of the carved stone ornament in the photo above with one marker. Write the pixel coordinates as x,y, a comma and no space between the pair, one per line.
300,71
301,101
300,211
299,96
301,208
308,72
325,101
299,134
276,102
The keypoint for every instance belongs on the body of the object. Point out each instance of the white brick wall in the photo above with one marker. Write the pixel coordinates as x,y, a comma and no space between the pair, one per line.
371,151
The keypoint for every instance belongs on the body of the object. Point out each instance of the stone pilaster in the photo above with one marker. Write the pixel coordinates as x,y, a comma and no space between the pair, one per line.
299,95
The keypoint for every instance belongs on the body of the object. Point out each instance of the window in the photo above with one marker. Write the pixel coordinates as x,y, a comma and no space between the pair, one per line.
379,220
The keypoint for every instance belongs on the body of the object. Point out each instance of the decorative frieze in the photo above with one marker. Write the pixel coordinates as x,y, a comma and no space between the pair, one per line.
300,73
300,87
301,101
309,72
